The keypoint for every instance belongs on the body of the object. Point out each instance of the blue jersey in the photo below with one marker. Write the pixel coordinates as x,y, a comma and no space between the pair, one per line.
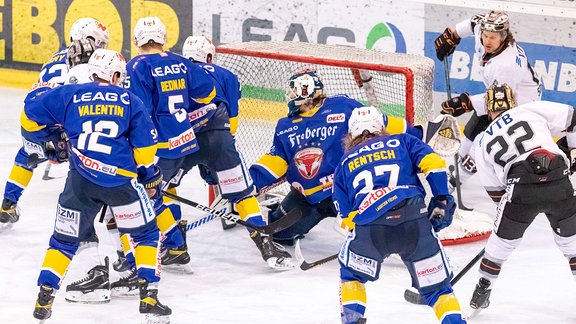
55,70
168,83
228,92
306,149
111,137
376,175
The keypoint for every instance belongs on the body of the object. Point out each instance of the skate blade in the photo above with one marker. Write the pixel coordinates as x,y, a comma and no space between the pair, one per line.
124,292
99,296
154,319
6,226
471,313
283,265
178,268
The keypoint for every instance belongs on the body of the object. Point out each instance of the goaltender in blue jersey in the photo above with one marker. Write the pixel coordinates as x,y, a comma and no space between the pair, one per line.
306,148
380,197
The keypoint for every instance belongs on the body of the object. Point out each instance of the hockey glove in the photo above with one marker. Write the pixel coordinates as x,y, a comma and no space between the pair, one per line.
446,43
441,211
56,147
153,184
457,105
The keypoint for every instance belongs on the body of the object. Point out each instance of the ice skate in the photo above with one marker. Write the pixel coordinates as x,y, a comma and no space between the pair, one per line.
480,297
92,289
121,264
273,253
43,308
9,214
152,311
126,286
177,260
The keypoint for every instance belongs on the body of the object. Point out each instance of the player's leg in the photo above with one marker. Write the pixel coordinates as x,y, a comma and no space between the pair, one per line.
174,253
130,199
74,223
18,180
227,165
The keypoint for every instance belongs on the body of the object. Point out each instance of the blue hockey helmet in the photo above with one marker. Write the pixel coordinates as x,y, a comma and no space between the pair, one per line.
303,87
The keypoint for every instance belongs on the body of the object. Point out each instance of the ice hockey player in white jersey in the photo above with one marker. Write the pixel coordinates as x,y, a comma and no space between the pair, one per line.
501,59
523,169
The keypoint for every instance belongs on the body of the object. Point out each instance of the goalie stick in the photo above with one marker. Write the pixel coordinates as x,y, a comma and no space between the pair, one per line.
304,265
415,298
288,220
363,79
457,171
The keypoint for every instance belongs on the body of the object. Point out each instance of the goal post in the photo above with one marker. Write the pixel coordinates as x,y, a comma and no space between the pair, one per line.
400,85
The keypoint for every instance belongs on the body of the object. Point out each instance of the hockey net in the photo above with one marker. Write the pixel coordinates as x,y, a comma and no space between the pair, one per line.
398,84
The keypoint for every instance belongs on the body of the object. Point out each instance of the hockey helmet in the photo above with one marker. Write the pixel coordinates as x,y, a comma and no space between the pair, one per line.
84,28
79,52
198,48
495,21
149,29
499,98
303,86
365,119
105,63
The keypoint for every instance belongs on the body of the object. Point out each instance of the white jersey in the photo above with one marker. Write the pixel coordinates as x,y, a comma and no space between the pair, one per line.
78,74
515,133
510,66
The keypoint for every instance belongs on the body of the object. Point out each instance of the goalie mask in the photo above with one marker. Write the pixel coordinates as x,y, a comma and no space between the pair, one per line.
105,64
365,119
495,21
303,87
197,48
149,29
499,98
85,28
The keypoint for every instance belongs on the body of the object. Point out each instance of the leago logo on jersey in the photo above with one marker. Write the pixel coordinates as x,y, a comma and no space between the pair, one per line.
336,118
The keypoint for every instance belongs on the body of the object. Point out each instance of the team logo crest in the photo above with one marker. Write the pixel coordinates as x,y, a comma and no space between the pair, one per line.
308,161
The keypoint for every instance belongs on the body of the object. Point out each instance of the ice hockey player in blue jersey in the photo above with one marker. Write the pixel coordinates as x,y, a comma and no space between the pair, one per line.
218,158
107,136
380,197
54,71
168,84
306,148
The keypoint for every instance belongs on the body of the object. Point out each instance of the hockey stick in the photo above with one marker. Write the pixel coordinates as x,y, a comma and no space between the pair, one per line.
363,80
304,265
415,298
457,171
288,220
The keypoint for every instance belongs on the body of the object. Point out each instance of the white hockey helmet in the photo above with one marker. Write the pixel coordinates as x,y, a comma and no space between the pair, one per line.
365,119
105,63
84,28
149,29
495,21
197,48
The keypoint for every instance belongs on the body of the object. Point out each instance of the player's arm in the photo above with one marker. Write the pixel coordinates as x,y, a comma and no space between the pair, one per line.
233,95
429,163
271,167
396,125
340,199
202,89
143,138
137,80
